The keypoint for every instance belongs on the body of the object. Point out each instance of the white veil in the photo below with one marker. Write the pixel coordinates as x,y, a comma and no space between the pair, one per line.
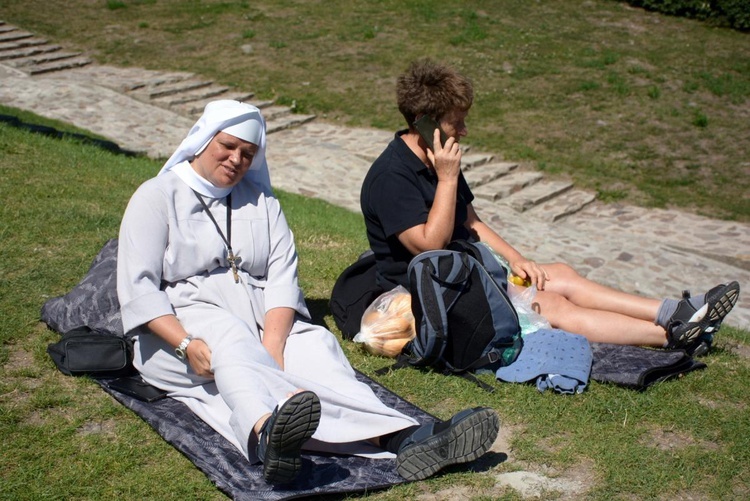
239,119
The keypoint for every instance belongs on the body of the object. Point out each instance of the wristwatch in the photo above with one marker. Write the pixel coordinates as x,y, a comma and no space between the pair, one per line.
180,350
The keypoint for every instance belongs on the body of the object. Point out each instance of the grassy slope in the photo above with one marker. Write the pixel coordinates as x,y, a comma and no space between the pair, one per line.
638,106
63,436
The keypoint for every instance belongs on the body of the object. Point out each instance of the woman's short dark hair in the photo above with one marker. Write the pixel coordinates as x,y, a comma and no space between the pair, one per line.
429,88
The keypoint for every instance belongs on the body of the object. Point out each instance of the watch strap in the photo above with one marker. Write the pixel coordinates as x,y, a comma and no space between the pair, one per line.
180,350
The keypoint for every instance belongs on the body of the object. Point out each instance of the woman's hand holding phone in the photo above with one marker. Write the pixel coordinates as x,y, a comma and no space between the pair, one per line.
446,159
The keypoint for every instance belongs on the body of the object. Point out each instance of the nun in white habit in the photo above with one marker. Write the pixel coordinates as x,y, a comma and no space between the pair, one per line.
207,275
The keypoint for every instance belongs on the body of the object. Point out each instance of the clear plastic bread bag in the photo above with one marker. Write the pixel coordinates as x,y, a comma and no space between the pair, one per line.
521,294
522,299
387,324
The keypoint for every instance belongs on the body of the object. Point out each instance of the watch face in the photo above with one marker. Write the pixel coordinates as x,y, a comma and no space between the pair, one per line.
180,351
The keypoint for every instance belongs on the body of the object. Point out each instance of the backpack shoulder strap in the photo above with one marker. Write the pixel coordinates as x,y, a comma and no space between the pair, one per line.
486,258
471,377
432,331
401,361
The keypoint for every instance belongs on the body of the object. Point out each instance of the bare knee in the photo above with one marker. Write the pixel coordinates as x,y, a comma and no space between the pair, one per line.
552,306
564,280
561,272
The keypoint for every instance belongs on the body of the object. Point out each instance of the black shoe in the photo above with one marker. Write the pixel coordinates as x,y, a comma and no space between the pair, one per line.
721,299
701,346
689,326
284,433
469,434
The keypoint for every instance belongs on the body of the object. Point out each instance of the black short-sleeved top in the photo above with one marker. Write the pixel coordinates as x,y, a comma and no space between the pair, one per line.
397,194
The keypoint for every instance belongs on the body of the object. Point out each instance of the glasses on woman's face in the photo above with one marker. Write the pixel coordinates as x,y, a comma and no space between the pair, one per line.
453,123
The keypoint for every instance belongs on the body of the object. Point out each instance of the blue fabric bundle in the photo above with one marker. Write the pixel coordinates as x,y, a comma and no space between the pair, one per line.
556,359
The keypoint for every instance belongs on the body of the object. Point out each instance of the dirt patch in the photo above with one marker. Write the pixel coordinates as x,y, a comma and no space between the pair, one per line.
18,360
452,493
711,404
740,488
320,242
535,485
504,438
544,482
98,428
738,349
554,444
533,482
666,440
721,404
536,481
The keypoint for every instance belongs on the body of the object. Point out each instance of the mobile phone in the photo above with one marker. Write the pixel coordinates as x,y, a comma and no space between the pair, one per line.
426,126
136,388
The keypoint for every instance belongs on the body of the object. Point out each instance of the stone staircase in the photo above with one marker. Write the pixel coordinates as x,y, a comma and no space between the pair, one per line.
523,190
503,184
181,92
22,50
187,94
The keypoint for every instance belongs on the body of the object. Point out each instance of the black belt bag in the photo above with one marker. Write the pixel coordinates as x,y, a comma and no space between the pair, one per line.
83,352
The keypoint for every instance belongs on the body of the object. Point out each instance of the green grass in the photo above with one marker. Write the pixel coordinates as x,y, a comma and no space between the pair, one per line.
582,87
64,437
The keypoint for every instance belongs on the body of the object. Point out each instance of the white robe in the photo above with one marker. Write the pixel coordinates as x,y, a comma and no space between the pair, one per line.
173,260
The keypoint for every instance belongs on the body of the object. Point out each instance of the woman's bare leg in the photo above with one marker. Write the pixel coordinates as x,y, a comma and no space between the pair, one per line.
580,291
598,325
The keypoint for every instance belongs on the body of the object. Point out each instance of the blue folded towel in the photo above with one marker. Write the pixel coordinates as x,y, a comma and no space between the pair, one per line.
557,359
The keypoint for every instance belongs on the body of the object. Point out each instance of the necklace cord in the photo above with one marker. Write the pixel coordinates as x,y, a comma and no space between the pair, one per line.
228,239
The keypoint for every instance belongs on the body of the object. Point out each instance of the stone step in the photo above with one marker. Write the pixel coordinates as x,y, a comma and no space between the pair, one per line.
507,185
25,42
190,96
471,160
483,174
28,51
64,64
563,205
172,88
195,108
261,105
287,122
276,112
13,35
536,194
139,84
182,92
37,59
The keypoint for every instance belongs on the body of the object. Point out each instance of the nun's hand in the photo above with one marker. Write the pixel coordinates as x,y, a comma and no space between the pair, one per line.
199,357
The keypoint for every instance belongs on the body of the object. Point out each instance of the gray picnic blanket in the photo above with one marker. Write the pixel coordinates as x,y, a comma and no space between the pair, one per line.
93,303
231,472
638,368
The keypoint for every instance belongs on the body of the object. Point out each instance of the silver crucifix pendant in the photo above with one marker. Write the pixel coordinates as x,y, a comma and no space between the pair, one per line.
233,263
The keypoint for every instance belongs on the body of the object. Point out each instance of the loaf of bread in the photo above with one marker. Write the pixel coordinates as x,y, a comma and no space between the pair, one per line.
390,348
387,324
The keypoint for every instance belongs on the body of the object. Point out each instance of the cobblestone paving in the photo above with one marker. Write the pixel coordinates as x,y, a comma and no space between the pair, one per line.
652,252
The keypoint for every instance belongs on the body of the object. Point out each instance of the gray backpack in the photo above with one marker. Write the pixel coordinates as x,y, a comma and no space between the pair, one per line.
463,316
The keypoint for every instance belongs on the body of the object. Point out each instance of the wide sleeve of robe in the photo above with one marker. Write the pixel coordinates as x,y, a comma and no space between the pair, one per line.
144,234
282,285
